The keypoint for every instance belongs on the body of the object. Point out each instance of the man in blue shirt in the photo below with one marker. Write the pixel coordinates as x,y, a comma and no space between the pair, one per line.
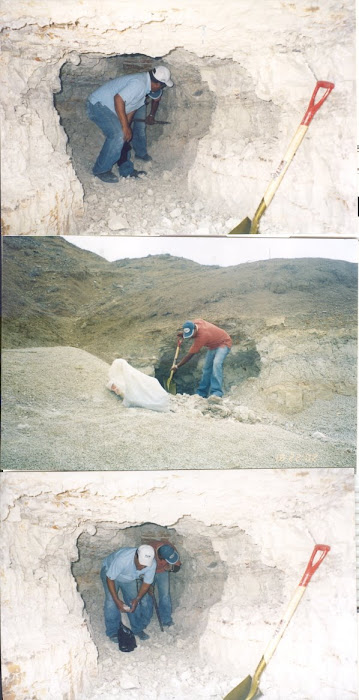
139,136
112,107
120,571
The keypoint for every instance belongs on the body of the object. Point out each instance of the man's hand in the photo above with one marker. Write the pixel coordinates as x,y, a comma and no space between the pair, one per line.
122,606
134,604
127,133
174,368
150,119
125,119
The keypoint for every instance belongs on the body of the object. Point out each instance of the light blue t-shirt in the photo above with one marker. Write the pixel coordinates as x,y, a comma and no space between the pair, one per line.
120,566
133,89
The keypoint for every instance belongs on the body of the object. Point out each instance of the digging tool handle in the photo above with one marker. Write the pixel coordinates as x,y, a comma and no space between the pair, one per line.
157,121
313,566
156,607
313,105
179,343
296,598
293,147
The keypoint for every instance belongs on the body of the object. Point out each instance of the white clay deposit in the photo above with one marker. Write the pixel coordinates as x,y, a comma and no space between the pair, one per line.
244,73
245,539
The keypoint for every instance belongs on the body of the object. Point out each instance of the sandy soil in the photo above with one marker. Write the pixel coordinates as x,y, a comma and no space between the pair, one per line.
124,673
59,415
127,207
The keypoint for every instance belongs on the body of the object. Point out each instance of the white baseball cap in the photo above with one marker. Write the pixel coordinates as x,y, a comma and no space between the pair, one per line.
146,554
163,75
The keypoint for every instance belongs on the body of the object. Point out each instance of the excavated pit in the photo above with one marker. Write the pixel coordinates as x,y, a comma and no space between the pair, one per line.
243,73
242,362
161,201
188,106
200,564
242,557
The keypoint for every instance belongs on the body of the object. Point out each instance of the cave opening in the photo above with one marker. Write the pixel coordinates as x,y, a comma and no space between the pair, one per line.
194,589
243,361
186,158
187,106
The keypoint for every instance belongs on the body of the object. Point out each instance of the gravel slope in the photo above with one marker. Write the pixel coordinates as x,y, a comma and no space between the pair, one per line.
60,416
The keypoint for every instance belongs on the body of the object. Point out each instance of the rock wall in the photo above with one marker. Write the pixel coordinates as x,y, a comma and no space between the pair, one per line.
300,366
49,648
259,61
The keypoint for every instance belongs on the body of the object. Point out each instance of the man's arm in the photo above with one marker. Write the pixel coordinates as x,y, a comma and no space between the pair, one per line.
184,360
150,119
111,587
143,590
125,120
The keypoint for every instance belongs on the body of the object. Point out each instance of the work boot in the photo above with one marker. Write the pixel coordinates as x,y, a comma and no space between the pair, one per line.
142,635
213,398
146,158
108,176
135,173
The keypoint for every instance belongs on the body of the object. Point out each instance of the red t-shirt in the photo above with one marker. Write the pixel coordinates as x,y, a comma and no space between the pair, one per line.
209,336
161,564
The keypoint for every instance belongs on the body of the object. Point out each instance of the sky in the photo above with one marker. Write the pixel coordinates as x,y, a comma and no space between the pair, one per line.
217,251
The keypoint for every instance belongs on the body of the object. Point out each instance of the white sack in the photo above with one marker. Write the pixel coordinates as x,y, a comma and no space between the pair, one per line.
137,388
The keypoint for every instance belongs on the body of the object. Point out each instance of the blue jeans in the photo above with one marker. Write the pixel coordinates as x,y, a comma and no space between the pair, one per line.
110,153
212,374
162,582
138,619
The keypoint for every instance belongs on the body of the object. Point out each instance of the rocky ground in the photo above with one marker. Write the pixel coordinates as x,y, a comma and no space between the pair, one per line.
157,202
163,200
176,653
59,415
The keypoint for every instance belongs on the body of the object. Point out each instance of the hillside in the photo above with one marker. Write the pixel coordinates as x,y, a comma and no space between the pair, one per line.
293,325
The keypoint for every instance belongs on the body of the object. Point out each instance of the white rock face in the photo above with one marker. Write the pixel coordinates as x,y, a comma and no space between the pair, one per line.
245,538
258,62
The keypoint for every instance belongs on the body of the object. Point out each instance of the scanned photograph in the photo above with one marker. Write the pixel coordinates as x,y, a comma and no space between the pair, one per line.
224,585
201,118
164,353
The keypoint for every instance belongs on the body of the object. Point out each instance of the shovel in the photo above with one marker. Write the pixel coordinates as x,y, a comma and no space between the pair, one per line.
170,384
248,226
248,688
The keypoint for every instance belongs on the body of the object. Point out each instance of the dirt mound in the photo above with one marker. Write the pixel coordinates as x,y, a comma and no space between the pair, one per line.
60,416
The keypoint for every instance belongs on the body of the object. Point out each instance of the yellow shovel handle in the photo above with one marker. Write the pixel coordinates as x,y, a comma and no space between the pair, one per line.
179,343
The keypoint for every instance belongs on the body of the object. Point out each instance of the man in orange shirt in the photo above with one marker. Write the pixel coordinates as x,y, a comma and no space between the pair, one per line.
167,559
218,343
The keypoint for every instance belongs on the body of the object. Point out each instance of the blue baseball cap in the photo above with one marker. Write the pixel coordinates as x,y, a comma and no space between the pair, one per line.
188,329
168,553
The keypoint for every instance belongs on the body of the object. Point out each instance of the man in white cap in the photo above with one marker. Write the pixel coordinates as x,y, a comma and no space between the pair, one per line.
113,106
120,571
139,133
